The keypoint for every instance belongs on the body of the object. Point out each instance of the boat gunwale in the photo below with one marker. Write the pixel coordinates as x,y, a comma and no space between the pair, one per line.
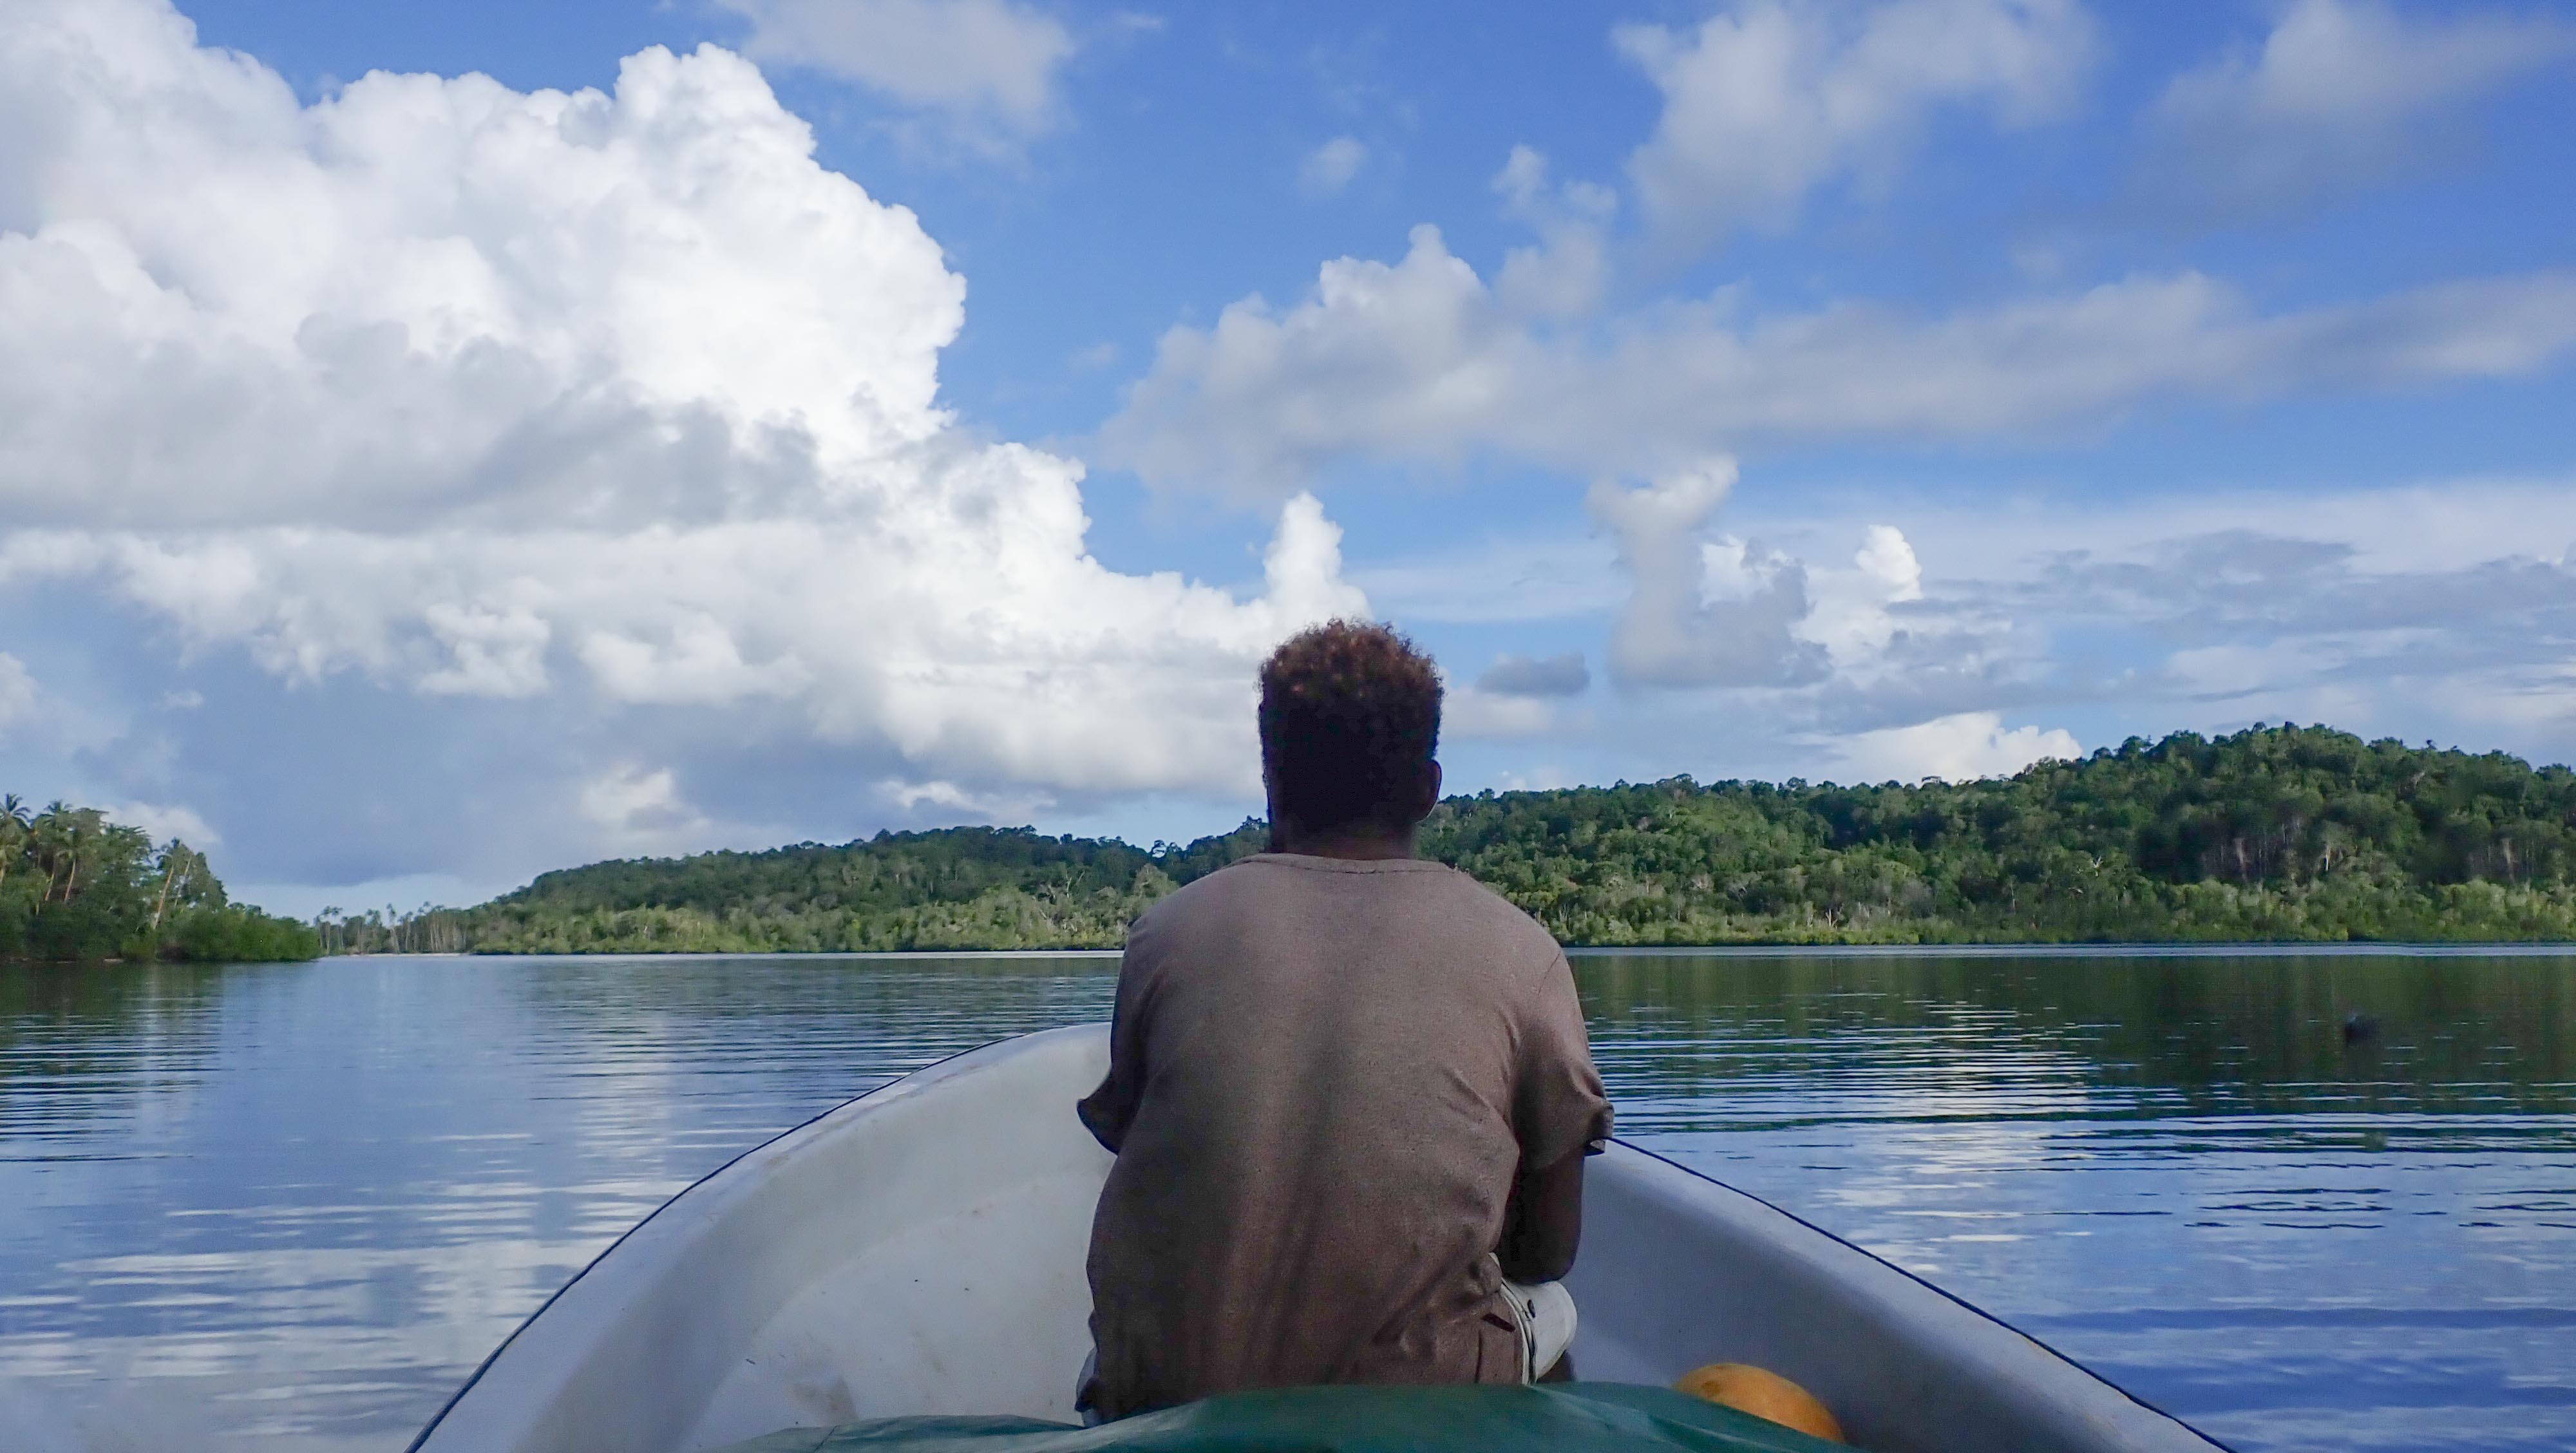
1946,1294
906,1083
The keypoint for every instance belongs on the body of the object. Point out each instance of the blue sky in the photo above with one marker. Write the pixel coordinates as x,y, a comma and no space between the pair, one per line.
441,443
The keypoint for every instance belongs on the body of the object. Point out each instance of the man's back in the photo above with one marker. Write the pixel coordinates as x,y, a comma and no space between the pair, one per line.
1325,1076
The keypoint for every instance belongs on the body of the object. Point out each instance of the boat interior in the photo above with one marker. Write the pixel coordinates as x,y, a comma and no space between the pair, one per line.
920,1250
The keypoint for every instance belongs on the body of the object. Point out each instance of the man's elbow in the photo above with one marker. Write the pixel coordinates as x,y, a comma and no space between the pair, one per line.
1530,1264
1545,1223
1542,1246
1102,1119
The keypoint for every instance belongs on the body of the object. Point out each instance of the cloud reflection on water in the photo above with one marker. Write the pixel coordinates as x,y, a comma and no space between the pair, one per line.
290,1207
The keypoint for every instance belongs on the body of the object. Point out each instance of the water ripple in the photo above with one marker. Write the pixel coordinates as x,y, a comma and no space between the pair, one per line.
289,1206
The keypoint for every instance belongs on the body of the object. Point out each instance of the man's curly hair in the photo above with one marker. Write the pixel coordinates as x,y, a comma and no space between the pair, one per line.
1350,718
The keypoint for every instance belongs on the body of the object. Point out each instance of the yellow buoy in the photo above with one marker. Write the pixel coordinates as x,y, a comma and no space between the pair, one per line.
1764,1395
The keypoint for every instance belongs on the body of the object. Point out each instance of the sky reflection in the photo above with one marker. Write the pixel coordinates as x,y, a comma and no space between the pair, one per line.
290,1206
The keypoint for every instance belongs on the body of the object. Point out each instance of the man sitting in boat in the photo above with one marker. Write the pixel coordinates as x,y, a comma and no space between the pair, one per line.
1349,1090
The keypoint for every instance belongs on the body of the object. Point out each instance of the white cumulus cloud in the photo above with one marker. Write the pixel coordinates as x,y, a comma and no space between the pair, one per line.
162,823
1719,610
1703,612
1330,167
1474,712
1852,618
18,693
1955,748
989,66
2440,608
1566,272
612,400
1768,99
2340,93
640,809
1418,361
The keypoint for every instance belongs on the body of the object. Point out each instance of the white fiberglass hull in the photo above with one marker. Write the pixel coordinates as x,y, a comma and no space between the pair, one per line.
920,1250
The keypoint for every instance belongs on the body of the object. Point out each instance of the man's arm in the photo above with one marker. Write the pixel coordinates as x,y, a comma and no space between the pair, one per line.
1108,1111
1543,1221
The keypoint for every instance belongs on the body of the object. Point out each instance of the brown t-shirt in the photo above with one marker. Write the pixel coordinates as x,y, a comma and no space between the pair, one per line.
1324,1078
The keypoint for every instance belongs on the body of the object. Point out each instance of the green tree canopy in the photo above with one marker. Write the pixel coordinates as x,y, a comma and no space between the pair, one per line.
74,885
2292,833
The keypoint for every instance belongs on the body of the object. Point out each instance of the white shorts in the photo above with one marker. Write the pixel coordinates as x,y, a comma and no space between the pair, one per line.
1545,1312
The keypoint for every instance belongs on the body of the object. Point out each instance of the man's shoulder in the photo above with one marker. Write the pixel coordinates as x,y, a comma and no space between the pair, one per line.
1213,883
1461,906
1496,914
1198,895
1266,873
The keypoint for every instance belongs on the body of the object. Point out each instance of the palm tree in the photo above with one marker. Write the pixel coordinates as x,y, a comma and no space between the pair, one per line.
180,864
13,832
86,826
52,830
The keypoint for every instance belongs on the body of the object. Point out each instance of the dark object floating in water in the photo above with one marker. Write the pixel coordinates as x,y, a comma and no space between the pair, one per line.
2358,1026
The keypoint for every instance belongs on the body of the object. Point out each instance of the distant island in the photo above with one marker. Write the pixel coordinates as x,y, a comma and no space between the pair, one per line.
2277,833
74,886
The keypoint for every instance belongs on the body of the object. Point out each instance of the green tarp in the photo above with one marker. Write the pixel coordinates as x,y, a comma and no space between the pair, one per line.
1580,1417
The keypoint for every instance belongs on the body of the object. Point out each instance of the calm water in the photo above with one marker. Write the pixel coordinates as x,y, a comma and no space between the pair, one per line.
290,1206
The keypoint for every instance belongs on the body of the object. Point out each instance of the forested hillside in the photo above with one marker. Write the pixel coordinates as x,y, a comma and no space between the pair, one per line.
2274,833
74,885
